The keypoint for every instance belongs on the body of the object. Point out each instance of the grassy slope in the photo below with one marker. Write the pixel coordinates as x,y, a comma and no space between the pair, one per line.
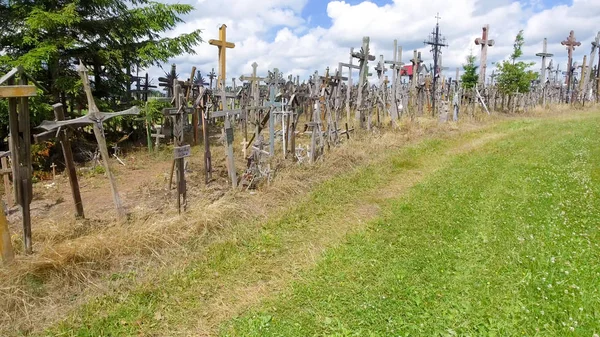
502,242
264,258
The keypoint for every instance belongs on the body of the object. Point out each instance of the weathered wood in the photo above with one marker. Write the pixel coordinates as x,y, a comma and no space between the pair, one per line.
98,128
65,144
7,189
6,248
485,42
222,44
228,134
17,91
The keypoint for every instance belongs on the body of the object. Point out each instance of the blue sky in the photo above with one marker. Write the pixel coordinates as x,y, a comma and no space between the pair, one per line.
302,36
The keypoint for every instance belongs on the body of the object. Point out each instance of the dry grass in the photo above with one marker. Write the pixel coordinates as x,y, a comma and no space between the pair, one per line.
74,259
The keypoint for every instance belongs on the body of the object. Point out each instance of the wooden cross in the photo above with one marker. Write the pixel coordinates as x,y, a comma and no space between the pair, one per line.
254,82
364,57
211,76
396,65
96,118
222,44
53,166
571,42
272,104
157,137
544,54
350,66
595,45
485,42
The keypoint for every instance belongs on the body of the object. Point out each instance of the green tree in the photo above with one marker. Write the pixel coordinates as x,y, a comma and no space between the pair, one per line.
469,77
513,75
111,36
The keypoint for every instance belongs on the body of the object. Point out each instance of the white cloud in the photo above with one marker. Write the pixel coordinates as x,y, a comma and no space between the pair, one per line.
274,33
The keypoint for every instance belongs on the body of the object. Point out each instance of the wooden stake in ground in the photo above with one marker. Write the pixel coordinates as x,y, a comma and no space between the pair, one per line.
65,143
6,248
5,172
228,133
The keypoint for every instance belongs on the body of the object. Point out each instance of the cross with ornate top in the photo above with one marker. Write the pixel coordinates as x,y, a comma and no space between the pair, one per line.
571,42
223,45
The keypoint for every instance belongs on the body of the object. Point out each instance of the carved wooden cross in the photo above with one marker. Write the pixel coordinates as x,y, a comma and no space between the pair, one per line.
571,42
222,44
544,54
96,118
364,57
484,41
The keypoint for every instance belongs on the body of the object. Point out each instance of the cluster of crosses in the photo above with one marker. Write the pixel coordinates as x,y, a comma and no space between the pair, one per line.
273,115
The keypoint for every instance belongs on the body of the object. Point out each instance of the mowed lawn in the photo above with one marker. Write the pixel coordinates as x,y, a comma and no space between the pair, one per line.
501,242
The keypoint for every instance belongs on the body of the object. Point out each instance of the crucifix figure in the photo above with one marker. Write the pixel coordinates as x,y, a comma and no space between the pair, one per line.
96,118
211,76
571,42
223,45
484,41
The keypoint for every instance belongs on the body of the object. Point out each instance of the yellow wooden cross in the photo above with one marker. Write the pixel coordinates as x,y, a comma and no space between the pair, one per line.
223,45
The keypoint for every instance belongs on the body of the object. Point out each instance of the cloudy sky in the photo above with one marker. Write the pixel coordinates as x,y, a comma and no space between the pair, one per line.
301,36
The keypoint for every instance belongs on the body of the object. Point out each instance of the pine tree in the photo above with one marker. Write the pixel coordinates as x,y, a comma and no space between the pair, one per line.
111,36
469,77
513,75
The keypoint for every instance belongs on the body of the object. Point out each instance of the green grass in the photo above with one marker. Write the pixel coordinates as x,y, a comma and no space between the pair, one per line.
502,242
463,253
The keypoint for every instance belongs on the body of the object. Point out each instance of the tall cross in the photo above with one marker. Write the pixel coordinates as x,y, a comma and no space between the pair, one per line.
544,54
222,44
484,42
436,41
396,66
571,42
363,57
595,45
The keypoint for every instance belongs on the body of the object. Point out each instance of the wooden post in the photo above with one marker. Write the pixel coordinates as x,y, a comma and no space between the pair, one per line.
21,157
228,132
65,143
207,155
6,248
7,188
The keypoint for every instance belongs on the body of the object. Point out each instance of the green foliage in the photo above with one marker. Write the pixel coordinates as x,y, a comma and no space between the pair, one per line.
153,110
469,77
513,75
111,36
